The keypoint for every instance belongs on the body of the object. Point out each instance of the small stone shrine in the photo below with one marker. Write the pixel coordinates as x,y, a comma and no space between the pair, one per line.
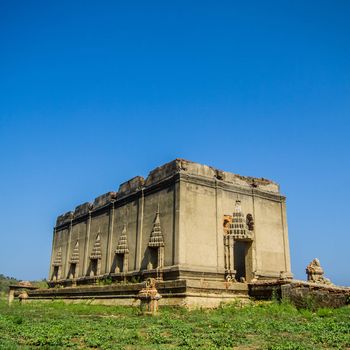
315,273
149,297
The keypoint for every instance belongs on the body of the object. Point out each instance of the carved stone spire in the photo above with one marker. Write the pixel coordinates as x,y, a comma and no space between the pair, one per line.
58,258
75,254
315,272
238,227
96,250
156,239
122,246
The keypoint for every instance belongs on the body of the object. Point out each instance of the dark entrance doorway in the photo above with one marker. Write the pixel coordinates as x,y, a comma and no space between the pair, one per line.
72,271
241,249
93,267
55,274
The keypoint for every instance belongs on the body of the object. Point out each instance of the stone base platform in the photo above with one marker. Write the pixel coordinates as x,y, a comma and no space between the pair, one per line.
188,293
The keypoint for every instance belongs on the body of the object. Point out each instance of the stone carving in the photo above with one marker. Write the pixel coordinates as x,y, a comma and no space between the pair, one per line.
57,265
227,223
123,250
250,222
149,297
75,254
315,273
229,261
74,262
96,250
58,258
156,240
95,257
238,227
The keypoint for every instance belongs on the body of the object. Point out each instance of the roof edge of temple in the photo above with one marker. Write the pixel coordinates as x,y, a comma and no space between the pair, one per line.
192,168
163,172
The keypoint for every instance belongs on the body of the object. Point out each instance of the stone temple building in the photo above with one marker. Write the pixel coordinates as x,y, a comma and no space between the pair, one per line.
186,224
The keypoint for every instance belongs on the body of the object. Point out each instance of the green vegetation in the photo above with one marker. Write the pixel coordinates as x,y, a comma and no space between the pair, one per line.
5,282
259,325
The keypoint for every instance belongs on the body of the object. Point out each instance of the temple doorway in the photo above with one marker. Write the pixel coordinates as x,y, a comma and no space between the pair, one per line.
242,260
119,263
93,267
72,271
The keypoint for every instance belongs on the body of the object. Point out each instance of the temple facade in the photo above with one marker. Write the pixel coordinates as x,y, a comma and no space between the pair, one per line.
185,221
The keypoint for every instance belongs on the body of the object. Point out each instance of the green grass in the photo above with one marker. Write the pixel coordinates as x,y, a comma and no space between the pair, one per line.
267,325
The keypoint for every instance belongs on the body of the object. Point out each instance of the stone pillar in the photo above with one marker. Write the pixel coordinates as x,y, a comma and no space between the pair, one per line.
109,238
160,262
285,237
181,246
66,263
52,254
11,295
87,243
98,269
176,226
226,252
140,209
253,247
229,257
126,262
220,249
232,257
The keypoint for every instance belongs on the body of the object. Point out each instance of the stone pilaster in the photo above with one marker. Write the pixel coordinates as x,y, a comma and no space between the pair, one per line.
52,253
109,238
126,262
220,248
254,263
86,248
140,209
285,237
66,263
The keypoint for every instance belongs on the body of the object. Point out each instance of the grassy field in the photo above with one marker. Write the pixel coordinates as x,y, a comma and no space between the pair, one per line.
267,325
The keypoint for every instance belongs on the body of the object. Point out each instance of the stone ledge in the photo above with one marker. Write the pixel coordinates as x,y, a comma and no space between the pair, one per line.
174,291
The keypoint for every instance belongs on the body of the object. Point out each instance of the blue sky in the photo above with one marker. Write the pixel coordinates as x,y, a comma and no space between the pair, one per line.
93,93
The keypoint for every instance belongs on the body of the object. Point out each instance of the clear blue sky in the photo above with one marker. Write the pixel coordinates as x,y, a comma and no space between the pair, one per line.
93,93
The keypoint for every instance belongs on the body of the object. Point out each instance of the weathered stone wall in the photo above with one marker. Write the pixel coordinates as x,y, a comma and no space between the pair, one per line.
132,206
205,200
313,296
302,294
